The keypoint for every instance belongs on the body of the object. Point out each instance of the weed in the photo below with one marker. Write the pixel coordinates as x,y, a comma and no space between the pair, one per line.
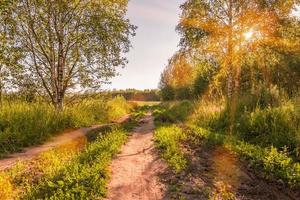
168,139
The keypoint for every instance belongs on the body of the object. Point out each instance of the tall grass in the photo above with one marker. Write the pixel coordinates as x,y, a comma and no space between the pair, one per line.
23,124
168,139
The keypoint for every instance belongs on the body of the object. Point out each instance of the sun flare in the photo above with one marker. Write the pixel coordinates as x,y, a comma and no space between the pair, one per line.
249,34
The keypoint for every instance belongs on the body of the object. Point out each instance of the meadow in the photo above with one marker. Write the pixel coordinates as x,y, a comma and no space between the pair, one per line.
25,124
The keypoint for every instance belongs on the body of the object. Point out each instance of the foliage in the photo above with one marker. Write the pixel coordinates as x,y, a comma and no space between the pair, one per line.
173,112
117,107
168,139
276,126
176,79
70,44
271,161
204,75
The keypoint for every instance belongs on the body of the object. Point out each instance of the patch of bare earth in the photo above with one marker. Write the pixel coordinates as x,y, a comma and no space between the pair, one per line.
136,170
216,173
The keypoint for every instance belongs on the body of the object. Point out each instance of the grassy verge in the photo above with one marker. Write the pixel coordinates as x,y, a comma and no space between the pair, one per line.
273,163
168,139
86,176
69,173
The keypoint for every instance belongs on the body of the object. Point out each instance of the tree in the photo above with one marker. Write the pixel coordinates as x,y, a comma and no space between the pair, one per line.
166,90
176,79
229,29
71,44
9,54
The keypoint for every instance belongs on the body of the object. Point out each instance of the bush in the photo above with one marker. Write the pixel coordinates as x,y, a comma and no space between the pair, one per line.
277,126
168,139
117,107
173,112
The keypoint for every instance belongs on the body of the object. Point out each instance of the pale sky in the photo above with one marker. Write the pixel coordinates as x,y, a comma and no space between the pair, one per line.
155,42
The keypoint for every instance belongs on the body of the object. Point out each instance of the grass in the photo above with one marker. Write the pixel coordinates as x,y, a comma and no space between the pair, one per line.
267,138
79,171
173,112
76,170
168,139
274,164
23,124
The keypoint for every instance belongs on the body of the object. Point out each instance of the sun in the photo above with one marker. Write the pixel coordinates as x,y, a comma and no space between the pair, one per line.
249,34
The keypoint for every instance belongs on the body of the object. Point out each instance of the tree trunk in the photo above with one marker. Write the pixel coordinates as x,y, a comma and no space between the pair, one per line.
230,104
60,67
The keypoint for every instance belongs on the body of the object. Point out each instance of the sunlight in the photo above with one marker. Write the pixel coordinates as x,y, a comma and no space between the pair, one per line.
249,34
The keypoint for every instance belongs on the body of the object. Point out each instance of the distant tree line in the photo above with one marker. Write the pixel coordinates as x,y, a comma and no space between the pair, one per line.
135,95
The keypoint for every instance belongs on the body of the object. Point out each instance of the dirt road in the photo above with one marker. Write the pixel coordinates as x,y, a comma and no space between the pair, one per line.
56,141
136,170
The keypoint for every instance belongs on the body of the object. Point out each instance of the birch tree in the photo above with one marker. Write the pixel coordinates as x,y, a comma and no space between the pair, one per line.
70,43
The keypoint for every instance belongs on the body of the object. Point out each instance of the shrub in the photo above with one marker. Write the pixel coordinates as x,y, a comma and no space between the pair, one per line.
175,112
168,139
211,115
276,126
117,107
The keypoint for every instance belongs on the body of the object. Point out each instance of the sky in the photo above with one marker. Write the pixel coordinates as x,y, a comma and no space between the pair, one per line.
155,42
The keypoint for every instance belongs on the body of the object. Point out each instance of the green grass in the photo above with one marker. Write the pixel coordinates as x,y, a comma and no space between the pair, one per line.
72,171
168,139
266,137
86,176
173,112
66,173
23,124
273,163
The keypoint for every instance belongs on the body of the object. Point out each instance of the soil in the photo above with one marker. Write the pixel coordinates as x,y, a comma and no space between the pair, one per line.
216,173
135,172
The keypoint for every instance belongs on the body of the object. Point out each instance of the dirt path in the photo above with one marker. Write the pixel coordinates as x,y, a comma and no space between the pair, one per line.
216,173
66,137
136,170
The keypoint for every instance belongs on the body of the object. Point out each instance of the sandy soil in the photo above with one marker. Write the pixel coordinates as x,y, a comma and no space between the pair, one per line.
136,170
64,138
